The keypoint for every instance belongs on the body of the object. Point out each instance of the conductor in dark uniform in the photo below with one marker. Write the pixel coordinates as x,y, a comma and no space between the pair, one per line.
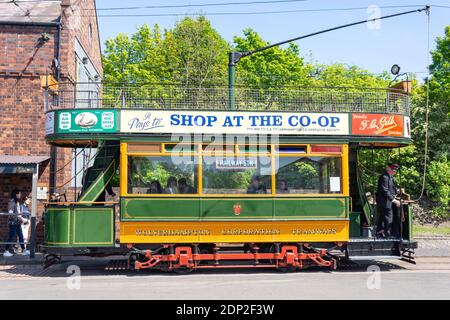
385,197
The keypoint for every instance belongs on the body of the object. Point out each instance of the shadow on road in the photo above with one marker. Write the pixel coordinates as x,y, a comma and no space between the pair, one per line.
96,267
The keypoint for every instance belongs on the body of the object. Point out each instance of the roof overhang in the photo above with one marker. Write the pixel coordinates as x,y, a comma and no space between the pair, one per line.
31,12
20,164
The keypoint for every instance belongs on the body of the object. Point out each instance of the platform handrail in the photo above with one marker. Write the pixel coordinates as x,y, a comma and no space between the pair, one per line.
173,96
47,203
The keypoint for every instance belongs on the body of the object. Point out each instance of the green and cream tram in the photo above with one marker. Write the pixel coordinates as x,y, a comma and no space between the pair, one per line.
275,182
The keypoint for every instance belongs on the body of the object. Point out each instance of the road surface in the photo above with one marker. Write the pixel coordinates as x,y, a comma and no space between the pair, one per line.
387,279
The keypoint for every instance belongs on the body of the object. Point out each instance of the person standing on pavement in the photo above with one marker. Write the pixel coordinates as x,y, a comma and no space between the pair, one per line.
26,214
15,224
385,197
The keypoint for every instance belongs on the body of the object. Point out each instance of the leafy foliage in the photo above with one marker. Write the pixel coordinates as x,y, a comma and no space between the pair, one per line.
270,68
438,185
191,53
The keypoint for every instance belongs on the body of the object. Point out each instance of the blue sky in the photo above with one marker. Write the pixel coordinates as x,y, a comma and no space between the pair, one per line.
401,40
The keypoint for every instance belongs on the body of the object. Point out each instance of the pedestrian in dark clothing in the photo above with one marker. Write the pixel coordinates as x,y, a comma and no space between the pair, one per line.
385,197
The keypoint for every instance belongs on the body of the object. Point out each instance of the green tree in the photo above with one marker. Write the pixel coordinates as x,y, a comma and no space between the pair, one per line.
439,102
270,68
438,185
192,52
195,52
342,75
135,59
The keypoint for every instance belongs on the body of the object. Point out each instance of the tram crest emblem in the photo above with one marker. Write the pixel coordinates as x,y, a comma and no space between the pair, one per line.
237,209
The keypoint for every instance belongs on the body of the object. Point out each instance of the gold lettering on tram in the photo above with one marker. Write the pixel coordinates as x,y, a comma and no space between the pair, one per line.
167,233
232,232
314,231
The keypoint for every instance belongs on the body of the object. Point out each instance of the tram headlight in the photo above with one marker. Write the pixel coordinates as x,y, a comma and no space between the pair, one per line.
395,69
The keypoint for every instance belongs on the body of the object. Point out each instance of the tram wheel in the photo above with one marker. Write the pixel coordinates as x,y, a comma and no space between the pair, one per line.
270,248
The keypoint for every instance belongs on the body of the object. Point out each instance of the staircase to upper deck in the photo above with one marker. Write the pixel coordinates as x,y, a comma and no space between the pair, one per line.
98,176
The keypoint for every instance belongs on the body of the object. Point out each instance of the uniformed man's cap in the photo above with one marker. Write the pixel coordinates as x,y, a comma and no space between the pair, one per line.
394,166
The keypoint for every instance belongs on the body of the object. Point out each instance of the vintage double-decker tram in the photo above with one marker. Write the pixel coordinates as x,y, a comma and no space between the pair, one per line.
273,182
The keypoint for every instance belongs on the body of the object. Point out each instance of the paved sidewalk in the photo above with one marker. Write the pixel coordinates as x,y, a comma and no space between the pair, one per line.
18,259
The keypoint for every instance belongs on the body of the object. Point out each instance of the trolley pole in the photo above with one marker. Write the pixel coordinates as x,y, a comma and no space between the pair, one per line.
234,57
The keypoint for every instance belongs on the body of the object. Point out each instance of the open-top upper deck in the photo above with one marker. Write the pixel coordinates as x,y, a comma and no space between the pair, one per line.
188,97
99,111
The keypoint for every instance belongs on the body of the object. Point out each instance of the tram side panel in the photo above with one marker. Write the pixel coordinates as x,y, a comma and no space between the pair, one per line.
79,226
183,220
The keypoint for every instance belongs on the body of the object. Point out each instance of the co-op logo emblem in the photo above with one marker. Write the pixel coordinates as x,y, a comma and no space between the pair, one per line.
86,120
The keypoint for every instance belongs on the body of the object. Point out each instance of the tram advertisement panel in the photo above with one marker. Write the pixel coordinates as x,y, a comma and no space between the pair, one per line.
217,122
377,125
79,121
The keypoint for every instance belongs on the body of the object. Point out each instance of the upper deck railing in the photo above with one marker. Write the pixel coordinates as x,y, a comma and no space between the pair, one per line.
176,96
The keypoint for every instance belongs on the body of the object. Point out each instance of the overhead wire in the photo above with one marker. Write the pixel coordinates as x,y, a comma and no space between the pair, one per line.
229,13
197,5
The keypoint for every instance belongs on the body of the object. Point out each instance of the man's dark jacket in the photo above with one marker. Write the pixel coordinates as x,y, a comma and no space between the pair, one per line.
386,191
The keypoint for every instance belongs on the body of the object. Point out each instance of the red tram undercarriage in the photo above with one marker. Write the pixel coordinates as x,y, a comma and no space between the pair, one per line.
185,258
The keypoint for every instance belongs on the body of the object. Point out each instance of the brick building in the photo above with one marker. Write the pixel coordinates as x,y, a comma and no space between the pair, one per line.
38,39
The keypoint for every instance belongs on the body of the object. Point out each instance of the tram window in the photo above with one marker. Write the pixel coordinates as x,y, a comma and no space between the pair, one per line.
236,175
143,147
290,149
162,175
253,148
308,175
180,148
218,148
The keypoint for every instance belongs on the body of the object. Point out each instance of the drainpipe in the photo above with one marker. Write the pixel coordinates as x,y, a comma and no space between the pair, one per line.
53,149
